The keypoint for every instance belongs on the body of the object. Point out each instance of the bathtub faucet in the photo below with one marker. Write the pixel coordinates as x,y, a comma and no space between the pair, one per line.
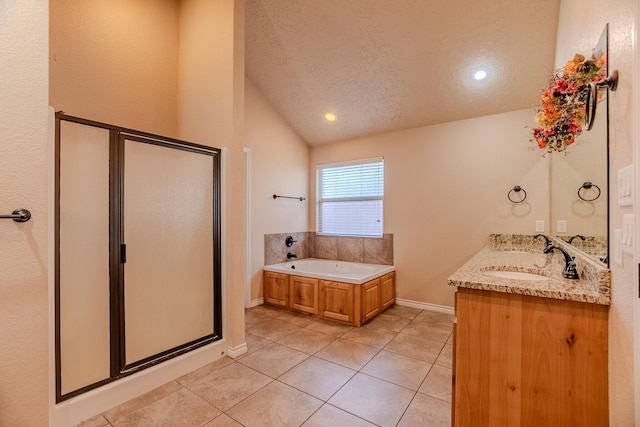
570,271
290,255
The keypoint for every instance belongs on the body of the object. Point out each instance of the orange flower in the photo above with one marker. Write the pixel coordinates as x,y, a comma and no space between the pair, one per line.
572,66
570,140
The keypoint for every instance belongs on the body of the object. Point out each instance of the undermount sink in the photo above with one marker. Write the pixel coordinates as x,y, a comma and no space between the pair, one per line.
512,274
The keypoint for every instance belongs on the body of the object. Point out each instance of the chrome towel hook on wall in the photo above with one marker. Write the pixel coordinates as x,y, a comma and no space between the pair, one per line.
19,215
517,189
587,185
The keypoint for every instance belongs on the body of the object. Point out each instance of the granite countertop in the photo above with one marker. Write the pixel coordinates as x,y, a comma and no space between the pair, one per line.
592,287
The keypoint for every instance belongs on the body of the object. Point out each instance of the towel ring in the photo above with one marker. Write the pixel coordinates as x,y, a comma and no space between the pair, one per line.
517,189
587,185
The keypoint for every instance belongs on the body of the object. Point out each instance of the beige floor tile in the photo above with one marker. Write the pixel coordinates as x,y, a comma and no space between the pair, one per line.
438,383
229,385
376,401
298,319
254,343
276,404
398,369
183,408
267,310
194,376
141,401
403,311
430,331
273,329
392,364
97,421
370,336
318,377
446,356
307,340
274,359
330,328
387,321
347,353
416,347
329,415
223,421
427,411
253,318
436,317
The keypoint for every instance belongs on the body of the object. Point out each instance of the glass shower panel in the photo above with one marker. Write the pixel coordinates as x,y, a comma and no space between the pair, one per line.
84,255
168,231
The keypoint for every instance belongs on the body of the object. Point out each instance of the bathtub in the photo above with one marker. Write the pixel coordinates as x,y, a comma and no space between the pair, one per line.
340,271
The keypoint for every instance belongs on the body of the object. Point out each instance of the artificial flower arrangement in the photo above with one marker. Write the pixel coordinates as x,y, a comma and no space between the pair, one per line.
561,113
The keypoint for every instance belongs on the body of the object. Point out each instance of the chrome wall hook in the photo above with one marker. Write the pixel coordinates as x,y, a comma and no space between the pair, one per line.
19,215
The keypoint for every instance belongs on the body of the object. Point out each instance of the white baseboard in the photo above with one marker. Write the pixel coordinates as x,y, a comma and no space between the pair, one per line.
425,306
234,352
256,302
80,408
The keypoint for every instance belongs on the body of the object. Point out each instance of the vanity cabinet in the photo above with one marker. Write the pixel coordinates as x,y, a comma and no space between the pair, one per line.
303,294
276,289
521,360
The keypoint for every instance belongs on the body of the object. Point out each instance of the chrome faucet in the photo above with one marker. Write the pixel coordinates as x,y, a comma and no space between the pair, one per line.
570,271
290,255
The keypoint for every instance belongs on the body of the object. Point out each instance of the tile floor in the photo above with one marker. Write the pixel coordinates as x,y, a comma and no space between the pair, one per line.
304,371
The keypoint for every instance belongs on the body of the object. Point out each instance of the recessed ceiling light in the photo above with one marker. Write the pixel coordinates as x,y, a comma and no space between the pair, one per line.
480,75
331,117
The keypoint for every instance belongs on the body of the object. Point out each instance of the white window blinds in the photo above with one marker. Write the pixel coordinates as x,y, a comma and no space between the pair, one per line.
350,198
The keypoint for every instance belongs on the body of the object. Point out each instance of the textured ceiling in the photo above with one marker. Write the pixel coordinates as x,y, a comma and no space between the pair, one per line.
381,66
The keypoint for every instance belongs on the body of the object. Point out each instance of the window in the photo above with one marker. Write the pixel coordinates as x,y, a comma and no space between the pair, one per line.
350,198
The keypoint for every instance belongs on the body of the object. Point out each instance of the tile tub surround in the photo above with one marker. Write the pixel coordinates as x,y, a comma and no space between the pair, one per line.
368,250
592,287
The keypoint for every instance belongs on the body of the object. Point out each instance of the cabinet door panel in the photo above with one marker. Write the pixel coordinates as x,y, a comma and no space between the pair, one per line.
276,289
336,300
388,290
370,299
304,294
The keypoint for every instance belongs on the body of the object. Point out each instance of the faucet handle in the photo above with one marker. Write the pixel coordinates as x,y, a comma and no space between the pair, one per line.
289,241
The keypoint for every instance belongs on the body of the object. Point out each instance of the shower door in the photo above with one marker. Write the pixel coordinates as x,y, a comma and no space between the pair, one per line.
168,230
138,275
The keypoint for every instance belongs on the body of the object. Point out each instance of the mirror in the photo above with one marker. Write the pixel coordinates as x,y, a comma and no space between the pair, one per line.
583,208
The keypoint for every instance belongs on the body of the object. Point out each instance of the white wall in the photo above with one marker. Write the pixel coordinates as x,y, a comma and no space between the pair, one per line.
116,62
446,190
581,22
279,165
211,112
24,174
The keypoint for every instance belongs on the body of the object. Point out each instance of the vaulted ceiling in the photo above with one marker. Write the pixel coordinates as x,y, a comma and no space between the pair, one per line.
381,66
